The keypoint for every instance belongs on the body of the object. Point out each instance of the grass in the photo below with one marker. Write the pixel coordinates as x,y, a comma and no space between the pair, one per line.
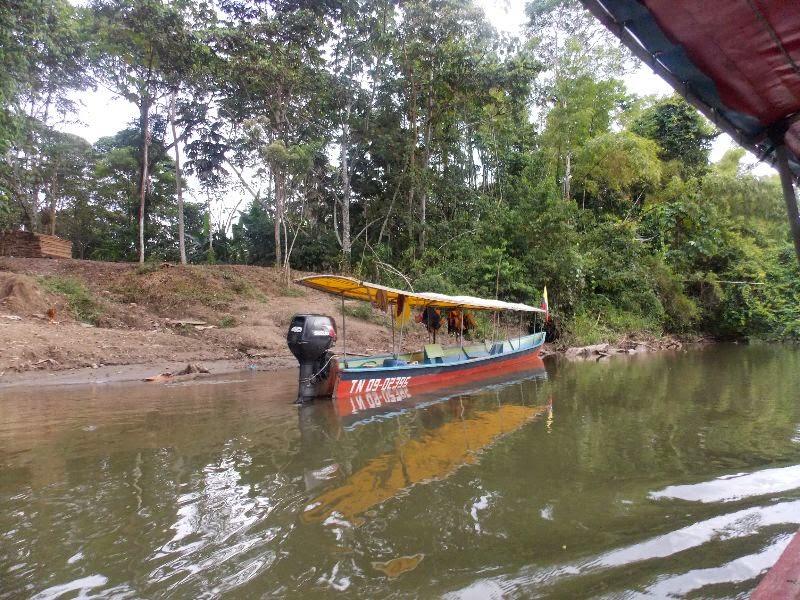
291,291
242,286
148,267
364,312
586,330
165,290
79,299
228,321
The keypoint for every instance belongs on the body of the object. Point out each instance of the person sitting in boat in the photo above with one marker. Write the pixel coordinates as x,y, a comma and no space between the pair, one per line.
432,318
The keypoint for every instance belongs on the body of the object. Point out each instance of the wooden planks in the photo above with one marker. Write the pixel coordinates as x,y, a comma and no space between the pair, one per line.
33,245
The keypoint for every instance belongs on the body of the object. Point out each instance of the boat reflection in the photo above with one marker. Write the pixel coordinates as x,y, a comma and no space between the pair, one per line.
458,436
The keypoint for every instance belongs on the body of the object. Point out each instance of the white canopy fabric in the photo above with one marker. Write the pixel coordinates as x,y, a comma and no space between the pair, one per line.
352,288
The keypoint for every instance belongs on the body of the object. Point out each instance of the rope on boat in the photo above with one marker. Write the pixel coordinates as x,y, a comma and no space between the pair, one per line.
313,378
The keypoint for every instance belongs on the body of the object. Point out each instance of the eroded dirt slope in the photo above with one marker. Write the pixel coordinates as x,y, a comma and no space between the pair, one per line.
62,314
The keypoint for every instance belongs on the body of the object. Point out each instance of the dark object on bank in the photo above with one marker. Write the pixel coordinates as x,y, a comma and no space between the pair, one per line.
190,369
310,339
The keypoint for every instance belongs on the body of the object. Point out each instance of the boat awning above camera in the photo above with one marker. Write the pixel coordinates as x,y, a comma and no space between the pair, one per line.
349,287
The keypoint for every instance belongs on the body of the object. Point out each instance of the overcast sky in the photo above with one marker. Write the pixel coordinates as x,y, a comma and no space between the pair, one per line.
104,114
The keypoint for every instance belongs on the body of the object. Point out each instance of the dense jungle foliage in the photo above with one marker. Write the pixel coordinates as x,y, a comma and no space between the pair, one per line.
404,141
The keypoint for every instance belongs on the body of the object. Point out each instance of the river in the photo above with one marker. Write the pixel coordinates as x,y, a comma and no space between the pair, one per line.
664,475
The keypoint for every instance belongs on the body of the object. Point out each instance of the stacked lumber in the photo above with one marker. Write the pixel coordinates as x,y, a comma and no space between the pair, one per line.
33,245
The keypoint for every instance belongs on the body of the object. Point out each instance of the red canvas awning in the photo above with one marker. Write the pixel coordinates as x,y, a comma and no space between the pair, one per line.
747,49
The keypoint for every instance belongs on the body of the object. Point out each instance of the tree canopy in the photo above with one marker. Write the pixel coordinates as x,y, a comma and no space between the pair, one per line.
381,137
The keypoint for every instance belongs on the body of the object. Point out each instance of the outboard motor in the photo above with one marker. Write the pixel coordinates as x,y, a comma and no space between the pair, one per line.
310,339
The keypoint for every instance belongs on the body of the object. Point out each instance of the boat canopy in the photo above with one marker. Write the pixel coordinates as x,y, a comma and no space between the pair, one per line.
349,287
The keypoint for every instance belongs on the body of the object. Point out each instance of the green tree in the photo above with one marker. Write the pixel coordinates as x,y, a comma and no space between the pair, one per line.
141,50
680,131
116,201
42,49
615,172
276,90
581,88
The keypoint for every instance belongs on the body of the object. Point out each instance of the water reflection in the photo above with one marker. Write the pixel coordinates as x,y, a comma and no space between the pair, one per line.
434,456
735,487
672,474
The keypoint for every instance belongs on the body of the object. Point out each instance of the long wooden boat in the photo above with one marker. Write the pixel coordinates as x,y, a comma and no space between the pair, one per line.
355,409
435,365
323,374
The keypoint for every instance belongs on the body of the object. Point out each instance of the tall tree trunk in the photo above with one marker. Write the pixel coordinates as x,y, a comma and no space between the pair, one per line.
145,125
53,198
210,230
414,126
36,167
391,204
425,166
346,244
280,189
178,180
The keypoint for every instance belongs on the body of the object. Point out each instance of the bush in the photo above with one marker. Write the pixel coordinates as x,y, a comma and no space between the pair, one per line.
228,321
79,298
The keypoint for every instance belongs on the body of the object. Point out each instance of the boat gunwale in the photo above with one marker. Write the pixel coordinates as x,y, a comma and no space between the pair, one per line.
448,365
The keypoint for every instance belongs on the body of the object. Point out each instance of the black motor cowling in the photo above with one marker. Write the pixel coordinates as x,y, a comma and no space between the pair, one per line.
310,339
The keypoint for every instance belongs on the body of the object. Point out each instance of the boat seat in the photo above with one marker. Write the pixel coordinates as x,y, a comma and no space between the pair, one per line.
475,353
434,353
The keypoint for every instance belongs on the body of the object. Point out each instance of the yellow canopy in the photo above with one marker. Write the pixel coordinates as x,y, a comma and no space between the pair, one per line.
372,292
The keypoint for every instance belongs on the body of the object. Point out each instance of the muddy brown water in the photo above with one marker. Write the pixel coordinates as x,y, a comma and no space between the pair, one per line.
669,475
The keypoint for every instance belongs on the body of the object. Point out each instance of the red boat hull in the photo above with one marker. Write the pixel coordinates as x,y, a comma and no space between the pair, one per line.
360,391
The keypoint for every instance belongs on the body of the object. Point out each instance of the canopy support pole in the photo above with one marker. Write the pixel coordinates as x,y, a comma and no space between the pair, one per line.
789,195
461,333
391,311
402,323
344,335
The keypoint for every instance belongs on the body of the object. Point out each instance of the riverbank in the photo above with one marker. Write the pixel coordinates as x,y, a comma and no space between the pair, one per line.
92,318
73,321
170,371
629,346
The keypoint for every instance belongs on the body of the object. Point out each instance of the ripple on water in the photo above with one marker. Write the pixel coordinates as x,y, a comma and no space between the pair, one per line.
82,585
751,522
199,490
